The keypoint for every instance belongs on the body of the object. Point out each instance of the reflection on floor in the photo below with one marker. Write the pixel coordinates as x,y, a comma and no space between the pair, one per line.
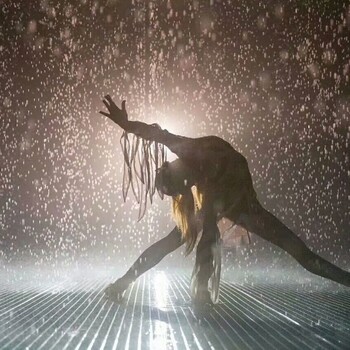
156,314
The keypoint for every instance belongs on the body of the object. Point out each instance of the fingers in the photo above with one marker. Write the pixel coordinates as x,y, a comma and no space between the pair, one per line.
106,104
111,106
109,99
104,113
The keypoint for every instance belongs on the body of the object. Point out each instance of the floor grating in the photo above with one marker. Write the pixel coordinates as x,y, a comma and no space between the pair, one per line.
156,313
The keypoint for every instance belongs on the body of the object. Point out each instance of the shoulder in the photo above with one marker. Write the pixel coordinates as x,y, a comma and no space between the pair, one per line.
213,141
214,146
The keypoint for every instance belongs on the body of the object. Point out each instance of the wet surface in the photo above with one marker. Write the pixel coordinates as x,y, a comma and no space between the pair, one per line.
156,313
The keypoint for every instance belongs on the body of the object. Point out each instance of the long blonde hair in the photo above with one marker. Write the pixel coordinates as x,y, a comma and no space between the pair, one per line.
184,208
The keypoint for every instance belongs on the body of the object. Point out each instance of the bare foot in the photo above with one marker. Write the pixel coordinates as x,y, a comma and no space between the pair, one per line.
202,298
116,290
202,304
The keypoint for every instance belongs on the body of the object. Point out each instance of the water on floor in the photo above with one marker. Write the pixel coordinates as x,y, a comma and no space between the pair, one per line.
67,310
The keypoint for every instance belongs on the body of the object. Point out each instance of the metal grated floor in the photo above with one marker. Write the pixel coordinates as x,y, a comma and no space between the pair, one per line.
156,314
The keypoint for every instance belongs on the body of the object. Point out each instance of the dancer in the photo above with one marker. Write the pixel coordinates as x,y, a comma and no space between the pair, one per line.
210,180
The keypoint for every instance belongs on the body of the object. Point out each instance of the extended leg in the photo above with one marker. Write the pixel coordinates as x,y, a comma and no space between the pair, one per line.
149,258
267,226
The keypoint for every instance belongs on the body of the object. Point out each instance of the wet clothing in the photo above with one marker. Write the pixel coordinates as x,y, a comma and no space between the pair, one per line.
225,180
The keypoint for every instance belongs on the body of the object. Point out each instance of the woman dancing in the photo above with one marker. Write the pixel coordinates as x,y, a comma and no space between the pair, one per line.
210,180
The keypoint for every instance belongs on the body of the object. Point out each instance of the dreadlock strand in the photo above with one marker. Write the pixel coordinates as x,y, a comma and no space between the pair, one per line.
126,168
141,159
183,210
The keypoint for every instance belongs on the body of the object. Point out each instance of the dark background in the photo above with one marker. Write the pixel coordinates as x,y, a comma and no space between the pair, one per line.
270,77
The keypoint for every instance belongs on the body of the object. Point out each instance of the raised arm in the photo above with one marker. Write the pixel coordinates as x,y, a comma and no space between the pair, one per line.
177,144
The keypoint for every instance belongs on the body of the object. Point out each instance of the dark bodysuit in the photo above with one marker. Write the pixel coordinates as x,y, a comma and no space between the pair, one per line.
228,191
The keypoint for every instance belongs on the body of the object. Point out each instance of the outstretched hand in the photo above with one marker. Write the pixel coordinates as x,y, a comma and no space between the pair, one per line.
115,113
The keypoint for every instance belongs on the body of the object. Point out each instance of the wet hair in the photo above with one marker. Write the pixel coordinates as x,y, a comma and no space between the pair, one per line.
141,159
175,179
164,180
184,213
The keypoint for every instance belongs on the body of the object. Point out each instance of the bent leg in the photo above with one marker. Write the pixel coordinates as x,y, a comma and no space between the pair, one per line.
267,226
149,258
206,272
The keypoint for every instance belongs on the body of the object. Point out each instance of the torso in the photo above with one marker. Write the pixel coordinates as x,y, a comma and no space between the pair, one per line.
226,177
